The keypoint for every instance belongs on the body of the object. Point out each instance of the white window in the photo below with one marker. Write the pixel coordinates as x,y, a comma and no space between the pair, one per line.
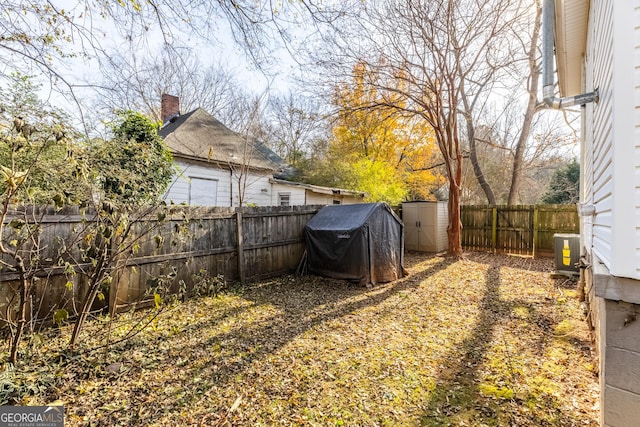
284,199
203,191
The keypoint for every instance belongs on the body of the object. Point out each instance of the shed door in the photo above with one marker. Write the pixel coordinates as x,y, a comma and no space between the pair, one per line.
428,225
410,220
419,226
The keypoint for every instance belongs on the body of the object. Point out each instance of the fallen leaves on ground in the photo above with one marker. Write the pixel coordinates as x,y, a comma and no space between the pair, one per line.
488,340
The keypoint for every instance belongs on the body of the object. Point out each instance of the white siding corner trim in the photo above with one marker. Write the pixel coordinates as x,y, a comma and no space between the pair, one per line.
624,163
636,136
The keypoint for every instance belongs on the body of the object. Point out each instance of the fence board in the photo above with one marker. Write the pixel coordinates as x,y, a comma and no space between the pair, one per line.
477,227
555,219
514,230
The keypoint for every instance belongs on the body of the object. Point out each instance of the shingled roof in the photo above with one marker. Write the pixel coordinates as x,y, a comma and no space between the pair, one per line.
198,135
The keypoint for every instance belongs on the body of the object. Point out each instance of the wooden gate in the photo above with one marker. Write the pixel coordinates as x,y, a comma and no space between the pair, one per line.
520,229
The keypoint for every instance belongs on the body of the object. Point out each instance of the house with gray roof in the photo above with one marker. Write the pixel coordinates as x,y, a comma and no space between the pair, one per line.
216,166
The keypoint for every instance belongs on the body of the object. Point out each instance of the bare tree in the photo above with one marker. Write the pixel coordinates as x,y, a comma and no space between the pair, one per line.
249,153
522,64
480,84
296,124
137,84
533,104
549,146
519,138
434,49
54,39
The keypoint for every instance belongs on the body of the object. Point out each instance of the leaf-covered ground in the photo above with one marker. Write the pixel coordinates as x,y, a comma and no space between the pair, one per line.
489,340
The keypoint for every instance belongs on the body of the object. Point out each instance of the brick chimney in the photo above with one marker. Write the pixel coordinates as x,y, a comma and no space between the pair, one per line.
169,107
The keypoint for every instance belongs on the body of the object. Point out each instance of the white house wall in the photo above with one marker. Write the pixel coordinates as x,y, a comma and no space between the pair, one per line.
612,156
178,191
319,199
296,194
346,199
635,118
257,189
586,177
611,182
328,199
599,132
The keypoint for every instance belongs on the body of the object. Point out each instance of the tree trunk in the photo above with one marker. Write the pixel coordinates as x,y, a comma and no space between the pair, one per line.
96,282
518,158
453,158
532,109
477,170
22,314
454,229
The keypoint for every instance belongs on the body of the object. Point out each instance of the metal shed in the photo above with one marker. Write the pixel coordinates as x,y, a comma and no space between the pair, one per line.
362,243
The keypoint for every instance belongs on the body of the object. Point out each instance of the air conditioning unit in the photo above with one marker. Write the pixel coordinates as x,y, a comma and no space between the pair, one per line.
567,253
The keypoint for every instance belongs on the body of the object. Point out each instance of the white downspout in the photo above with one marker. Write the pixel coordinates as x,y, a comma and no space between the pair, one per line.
548,77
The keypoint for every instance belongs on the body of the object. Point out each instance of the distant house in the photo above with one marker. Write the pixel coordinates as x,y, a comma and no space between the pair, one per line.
306,194
219,167
596,49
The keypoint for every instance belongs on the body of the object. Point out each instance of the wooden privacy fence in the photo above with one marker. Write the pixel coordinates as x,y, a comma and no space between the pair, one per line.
236,243
521,229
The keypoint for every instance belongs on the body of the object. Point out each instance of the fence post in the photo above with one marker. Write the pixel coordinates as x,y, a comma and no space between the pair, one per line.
240,245
536,226
494,228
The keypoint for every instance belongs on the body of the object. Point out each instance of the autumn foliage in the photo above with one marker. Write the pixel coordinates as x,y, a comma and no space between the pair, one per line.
376,146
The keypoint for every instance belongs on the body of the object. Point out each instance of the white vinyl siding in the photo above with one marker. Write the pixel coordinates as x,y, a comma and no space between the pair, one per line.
599,128
296,194
611,179
586,183
329,199
178,191
349,200
319,199
611,150
196,182
625,180
255,189
306,196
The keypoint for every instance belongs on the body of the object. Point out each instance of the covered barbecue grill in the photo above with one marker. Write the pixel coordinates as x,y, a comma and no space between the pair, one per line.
362,243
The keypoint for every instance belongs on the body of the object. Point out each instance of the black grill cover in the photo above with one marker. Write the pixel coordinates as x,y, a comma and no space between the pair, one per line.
363,243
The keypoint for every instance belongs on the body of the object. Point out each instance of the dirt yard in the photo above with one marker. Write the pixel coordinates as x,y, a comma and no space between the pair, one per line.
484,341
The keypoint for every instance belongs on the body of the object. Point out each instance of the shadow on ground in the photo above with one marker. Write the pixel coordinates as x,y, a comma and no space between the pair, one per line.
301,303
457,398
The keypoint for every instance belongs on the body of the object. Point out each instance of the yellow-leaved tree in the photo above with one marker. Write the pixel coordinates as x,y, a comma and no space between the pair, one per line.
378,148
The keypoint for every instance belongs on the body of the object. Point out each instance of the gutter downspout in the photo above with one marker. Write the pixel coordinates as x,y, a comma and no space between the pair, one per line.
548,78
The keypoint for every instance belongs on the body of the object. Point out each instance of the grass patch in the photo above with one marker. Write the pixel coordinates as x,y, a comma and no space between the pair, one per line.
497,392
